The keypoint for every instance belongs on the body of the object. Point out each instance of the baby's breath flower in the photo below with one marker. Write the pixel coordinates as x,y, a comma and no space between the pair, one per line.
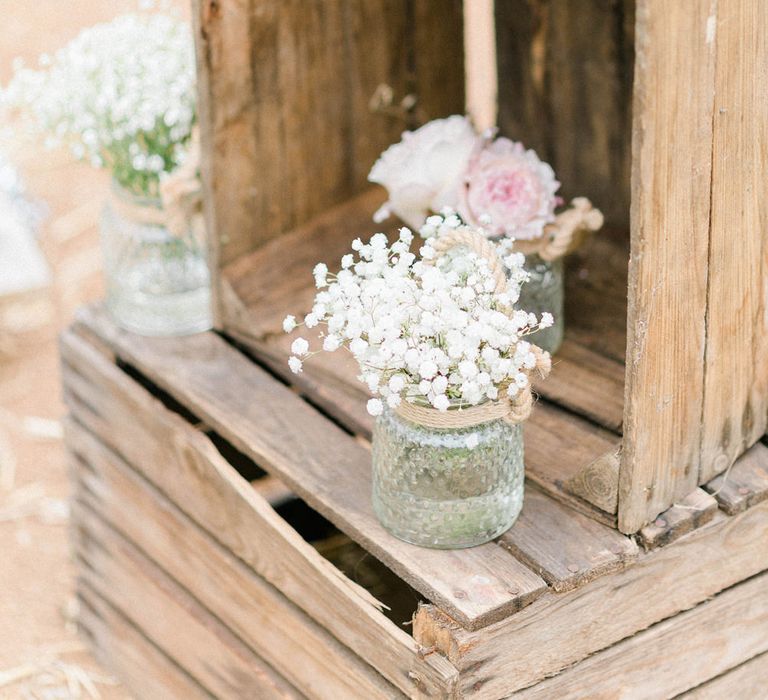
289,323
300,346
295,364
375,407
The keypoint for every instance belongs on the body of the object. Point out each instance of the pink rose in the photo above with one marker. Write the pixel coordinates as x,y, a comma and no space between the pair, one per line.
511,186
423,173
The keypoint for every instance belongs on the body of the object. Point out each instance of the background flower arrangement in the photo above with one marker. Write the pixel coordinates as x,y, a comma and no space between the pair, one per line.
121,95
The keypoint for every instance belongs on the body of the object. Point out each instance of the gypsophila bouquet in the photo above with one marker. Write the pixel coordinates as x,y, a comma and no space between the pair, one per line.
435,330
121,95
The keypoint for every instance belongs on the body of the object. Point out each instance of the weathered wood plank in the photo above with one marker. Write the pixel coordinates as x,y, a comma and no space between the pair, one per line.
673,97
745,681
508,656
744,484
672,656
735,412
324,465
204,486
566,549
598,482
565,89
141,666
169,617
287,639
693,511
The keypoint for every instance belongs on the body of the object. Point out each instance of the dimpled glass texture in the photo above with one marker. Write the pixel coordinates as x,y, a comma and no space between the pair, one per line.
156,284
544,292
430,489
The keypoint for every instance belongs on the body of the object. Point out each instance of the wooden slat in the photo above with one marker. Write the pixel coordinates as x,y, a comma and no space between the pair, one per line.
673,96
587,383
143,668
749,680
672,656
566,76
170,618
565,548
736,363
287,639
744,484
204,486
326,467
508,656
693,511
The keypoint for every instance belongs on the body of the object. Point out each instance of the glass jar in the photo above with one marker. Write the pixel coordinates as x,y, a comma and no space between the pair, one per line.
544,292
156,283
432,488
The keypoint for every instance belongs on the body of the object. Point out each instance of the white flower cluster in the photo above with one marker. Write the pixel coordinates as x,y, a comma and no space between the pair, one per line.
121,95
427,330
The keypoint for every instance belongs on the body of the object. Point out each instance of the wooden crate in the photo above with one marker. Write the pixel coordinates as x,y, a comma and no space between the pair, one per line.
648,107
200,574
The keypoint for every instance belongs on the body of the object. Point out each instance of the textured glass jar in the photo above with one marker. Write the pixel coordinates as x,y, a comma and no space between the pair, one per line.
544,292
431,489
156,283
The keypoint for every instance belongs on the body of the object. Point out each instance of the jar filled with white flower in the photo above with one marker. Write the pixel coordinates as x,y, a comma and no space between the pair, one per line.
499,185
444,354
121,95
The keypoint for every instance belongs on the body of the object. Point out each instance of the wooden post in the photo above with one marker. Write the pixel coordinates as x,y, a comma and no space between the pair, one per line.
480,71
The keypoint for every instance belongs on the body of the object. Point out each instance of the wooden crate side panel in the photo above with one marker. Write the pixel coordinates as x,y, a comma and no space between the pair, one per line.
736,365
531,645
137,426
114,570
141,666
749,680
285,91
672,656
285,637
565,86
673,97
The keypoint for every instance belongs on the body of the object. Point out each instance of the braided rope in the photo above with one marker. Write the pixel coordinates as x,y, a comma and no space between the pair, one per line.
570,229
514,410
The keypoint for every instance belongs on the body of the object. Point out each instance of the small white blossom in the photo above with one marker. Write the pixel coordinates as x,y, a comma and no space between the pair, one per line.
375,407
546,320
300,346
441,402
295,364
289,323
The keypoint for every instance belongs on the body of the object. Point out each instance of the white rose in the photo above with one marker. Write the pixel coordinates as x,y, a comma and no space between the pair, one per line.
424,171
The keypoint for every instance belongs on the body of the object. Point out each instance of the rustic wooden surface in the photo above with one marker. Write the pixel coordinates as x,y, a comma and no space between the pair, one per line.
116,498
735,411
116,571
745,681
137,426
565,548
673,98
285,93
122,648
565,90
674,655
693,511
559,630
744,484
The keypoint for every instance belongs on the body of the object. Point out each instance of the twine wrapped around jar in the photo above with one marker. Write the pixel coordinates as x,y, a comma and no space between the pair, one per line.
511,409
567,233
180,207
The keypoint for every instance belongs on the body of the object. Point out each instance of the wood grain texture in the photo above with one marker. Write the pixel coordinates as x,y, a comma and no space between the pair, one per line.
598,482
674,655
559,630
747,680
735,413
693,511
169,617
673,97
323,465
285,87
138,427
566,549
744,484
565,90
281,634
140,665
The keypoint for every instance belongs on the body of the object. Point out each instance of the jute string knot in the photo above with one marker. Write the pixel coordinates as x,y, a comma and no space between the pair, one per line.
180,207
567,233
514,409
